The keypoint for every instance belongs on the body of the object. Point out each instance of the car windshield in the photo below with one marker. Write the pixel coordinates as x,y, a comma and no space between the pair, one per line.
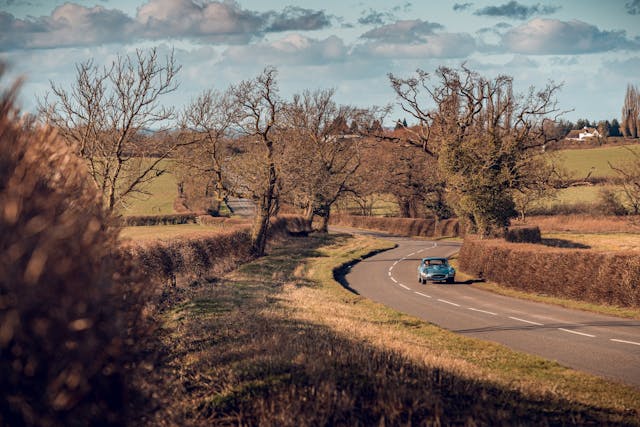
436,262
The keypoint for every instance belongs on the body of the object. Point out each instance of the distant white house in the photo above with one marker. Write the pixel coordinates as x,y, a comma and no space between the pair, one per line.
582,134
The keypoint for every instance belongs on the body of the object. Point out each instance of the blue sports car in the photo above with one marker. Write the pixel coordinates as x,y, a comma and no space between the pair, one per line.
435,270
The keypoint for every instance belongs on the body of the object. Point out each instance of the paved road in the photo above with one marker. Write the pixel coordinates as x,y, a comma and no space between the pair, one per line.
602,345
241,207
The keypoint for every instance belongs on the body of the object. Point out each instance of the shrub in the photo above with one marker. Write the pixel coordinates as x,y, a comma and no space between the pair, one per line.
68,323
401,226
523,235
583,275
175,219
199,257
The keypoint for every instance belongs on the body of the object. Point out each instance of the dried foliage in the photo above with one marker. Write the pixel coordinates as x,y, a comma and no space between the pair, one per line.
523,235
584,223
402,226
142,220
192,257
583,275
206,256
71,322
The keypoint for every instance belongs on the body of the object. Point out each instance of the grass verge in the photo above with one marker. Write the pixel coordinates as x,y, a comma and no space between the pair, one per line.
280,342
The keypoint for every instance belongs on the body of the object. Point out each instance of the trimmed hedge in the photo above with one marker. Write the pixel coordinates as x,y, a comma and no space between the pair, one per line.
584,275
401,226
174,219
206,256
523,235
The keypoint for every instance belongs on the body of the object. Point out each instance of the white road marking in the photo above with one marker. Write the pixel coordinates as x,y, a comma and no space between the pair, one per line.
420,251
483,311
625,342
526,321
411,254
423,295
576,332
389,273
449,302
406,287
395,263
394,280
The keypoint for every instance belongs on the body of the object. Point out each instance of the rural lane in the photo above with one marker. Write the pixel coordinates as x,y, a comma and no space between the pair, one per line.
602,345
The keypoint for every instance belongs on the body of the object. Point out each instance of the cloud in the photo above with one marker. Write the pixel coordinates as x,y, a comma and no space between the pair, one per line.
408,31
222,21
550,36
373,17
295,18
441,45
293,49
458,7
515,10
199,20
404,8
633,7
68,25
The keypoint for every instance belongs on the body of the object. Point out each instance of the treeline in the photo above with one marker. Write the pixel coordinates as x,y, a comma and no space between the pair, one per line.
476,150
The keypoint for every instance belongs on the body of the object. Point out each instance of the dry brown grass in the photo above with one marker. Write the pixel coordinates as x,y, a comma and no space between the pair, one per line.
401,226
583,223
276,344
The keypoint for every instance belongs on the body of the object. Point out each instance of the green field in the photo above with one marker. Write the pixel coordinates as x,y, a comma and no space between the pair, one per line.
163,191
580,162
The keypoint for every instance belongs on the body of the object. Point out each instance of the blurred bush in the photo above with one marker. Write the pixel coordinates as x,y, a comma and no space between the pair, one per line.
70,322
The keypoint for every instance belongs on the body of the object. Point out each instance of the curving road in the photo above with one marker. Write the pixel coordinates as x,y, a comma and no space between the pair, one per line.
602,345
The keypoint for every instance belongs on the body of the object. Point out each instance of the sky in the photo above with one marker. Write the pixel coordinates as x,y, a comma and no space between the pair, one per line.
592,47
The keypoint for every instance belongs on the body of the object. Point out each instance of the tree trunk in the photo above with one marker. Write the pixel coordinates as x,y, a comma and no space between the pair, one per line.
325,214
309,213
260,229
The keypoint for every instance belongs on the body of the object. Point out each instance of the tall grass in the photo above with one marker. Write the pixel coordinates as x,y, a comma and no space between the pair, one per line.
581,223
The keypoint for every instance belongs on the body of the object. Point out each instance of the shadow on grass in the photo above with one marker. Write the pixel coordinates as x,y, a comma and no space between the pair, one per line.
254,365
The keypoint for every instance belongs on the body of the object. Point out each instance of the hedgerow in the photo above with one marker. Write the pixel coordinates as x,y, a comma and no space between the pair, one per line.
402,226
71,309
583,275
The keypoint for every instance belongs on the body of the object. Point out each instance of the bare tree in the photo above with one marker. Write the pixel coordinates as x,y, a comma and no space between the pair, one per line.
320,159
630,124
484,137
259,117
206,123
629,172
106,116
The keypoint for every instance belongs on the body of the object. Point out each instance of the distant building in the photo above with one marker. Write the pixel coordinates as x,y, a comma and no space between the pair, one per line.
583,134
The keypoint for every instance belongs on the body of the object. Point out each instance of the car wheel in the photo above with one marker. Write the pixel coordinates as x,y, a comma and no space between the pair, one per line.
450,280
